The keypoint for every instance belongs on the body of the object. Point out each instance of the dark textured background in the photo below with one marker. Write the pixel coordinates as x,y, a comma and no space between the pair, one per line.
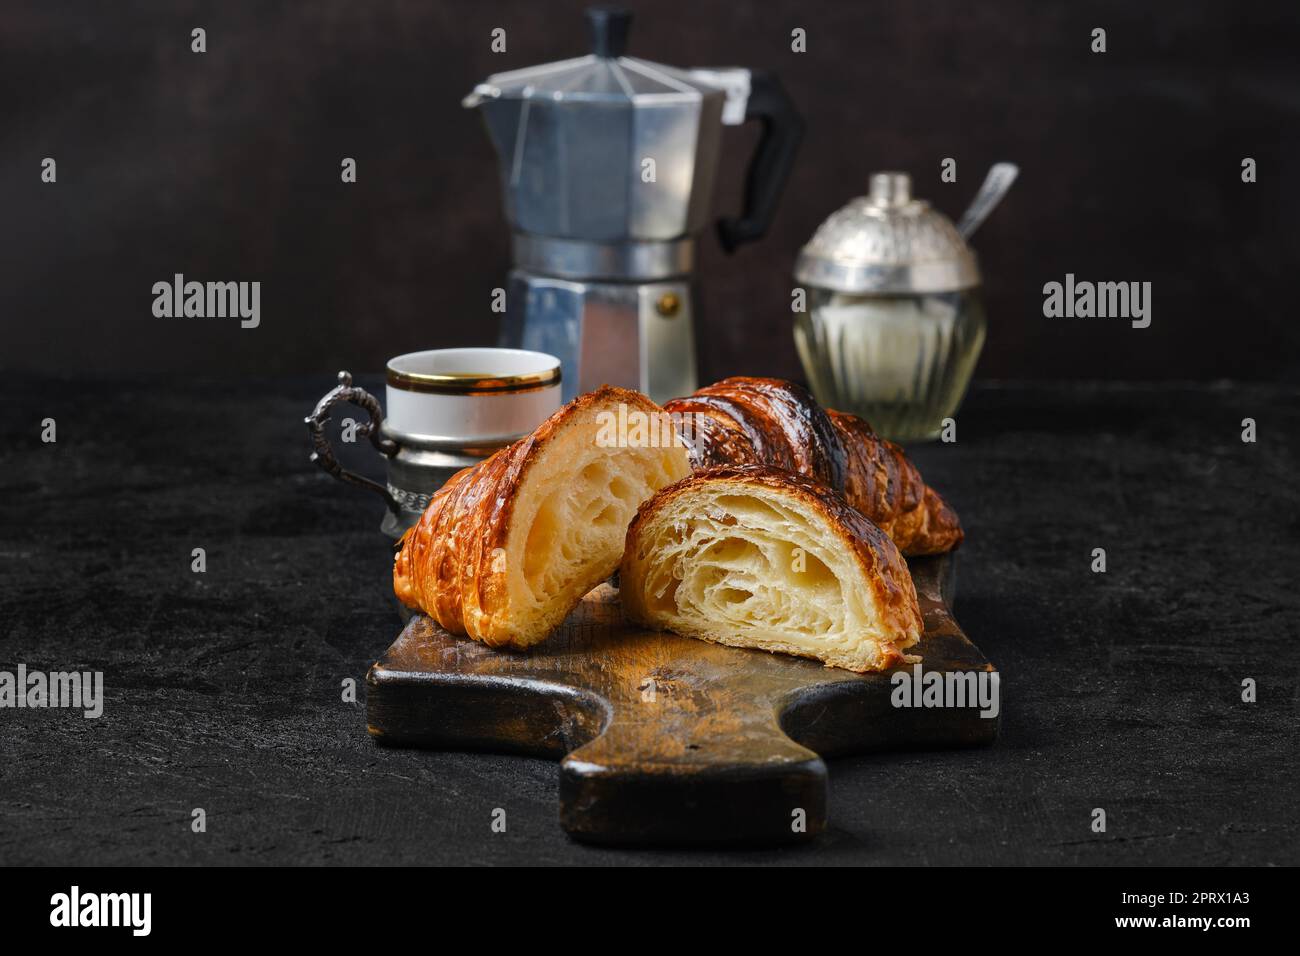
226,166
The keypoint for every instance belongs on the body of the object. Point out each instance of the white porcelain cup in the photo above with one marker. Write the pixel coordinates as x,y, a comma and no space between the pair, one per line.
447,410
480,397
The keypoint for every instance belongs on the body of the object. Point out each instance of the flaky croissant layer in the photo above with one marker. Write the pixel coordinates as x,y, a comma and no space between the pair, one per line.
767,421
753,556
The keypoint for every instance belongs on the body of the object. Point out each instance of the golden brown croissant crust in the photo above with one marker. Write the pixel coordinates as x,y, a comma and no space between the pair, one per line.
769,421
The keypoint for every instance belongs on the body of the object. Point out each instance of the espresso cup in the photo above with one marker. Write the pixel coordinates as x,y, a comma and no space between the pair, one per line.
448,409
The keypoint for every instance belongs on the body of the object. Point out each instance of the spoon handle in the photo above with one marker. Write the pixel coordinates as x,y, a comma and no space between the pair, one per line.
996,184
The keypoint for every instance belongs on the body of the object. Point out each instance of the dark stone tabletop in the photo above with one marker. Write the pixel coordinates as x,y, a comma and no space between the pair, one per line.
223,689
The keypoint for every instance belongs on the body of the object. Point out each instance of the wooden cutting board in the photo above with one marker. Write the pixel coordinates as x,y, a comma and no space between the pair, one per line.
666,739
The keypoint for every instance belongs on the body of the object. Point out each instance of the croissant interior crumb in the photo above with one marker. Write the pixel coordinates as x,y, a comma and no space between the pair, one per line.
575,504
745,566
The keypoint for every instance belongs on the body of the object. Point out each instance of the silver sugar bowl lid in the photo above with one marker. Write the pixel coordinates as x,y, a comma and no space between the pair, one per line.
887,243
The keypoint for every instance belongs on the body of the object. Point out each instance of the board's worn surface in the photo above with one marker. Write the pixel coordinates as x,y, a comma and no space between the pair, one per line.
664,738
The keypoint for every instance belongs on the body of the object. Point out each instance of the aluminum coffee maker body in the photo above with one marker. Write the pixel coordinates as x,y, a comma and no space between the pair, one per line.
607,166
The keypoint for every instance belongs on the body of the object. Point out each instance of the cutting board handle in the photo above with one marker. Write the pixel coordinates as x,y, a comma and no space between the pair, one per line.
675,761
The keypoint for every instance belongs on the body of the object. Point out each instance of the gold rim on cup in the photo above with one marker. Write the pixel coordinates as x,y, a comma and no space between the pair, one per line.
472,383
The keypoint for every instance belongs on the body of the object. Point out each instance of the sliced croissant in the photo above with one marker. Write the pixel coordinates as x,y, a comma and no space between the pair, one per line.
507,549
754,556
767,421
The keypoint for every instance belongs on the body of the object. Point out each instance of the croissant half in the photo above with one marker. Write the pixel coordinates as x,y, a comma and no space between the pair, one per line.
768,421
506,549
754,556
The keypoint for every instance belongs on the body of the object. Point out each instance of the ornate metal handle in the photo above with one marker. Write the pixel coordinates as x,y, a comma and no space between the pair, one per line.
323,454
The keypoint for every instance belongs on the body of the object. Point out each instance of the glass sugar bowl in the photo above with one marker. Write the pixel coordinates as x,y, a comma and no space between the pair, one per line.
894,322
